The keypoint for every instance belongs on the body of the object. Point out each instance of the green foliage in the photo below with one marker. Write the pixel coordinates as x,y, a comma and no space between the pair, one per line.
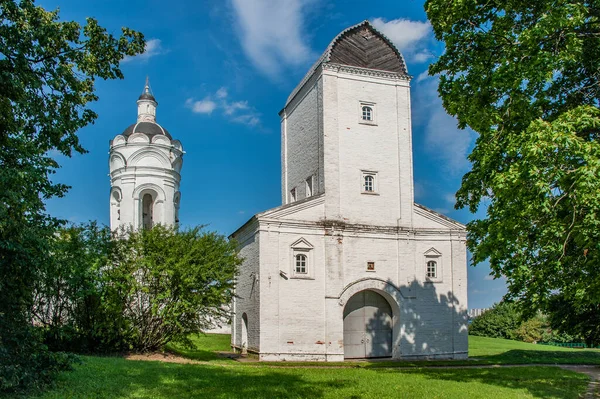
499,322
139,290
174,283
576,317
531,330
524,75
72,301
47,74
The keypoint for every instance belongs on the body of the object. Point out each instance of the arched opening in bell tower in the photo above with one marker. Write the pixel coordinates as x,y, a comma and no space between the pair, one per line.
147,211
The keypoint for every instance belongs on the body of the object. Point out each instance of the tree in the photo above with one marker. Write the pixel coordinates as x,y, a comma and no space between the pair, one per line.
524,75
172,283
47,74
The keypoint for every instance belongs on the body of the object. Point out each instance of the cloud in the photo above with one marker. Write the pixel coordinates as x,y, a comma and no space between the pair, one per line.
489,277
221,93
205,106
450,198
271,33
412,38
235,111
443,139
153,48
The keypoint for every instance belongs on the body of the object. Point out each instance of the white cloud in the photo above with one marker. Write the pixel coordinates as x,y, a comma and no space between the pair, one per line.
205,106
450,198
235,111
221,93
231,108
489,277
444,140
411,37
271,33
153,48
422,76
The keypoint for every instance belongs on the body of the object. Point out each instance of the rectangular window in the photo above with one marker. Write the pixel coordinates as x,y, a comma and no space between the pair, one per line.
301,264
432,269
309,187
369,182
293,195
366,113
370,266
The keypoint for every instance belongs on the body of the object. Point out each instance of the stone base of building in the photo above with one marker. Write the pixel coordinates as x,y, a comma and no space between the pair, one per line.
323,357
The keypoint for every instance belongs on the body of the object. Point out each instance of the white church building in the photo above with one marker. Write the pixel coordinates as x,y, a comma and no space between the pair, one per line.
349,266
145,165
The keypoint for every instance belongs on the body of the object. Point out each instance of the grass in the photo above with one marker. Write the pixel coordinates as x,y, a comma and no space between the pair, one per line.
101,378
112,377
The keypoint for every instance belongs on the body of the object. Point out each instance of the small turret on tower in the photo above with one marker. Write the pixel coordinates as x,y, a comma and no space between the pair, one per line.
147,105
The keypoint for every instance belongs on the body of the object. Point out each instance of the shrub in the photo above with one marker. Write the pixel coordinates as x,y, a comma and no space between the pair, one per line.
499,322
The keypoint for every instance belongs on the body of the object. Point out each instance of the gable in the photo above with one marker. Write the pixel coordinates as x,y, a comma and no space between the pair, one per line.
425,218
363,46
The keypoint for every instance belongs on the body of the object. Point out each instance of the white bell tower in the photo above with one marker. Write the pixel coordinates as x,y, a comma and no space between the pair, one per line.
145,171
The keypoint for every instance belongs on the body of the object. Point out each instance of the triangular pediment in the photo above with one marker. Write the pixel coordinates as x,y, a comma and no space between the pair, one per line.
432,252
302,244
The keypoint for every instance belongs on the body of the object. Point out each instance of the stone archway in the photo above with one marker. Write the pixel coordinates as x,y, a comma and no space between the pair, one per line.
368,326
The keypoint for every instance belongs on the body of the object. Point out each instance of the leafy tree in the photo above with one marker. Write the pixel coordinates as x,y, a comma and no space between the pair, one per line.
177,283
47,74
576,318
499,322
72,301
524,75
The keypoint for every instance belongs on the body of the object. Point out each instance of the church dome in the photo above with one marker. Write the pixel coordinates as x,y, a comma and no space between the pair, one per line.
150,129
147,96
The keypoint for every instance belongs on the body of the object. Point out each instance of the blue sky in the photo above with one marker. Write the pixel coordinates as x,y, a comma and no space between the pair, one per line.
221,71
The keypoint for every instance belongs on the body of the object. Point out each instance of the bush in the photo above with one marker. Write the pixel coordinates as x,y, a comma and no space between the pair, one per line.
499,322
136,290
531,330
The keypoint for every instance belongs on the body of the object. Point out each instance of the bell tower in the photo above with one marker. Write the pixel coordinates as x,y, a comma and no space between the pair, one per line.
145,171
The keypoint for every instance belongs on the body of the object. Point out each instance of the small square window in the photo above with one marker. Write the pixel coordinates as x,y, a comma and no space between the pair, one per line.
371,266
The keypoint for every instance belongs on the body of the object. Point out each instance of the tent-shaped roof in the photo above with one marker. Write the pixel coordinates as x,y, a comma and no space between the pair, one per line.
361,46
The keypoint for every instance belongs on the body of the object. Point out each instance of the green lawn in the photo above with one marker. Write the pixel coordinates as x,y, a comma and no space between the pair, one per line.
112,377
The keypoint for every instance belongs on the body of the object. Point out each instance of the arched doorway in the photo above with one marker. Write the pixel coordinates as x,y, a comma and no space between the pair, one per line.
368,324
244,346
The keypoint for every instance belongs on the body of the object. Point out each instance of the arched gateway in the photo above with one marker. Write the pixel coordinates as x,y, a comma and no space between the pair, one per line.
368,326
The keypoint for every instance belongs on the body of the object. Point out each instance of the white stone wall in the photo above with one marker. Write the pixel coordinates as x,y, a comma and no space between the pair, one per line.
302,318
247,291
138,166
352,146
302,142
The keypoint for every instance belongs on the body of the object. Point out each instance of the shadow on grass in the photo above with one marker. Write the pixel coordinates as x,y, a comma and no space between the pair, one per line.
518,356
102,378
540,382
206,347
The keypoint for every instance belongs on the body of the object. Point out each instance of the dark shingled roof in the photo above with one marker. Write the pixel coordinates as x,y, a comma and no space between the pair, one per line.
148,128
361,46
147,96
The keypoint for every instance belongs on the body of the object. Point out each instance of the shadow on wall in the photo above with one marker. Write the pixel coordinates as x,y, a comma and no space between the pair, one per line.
430,323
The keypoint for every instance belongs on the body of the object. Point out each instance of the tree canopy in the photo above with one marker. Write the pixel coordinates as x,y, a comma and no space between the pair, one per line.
47,72
524,75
